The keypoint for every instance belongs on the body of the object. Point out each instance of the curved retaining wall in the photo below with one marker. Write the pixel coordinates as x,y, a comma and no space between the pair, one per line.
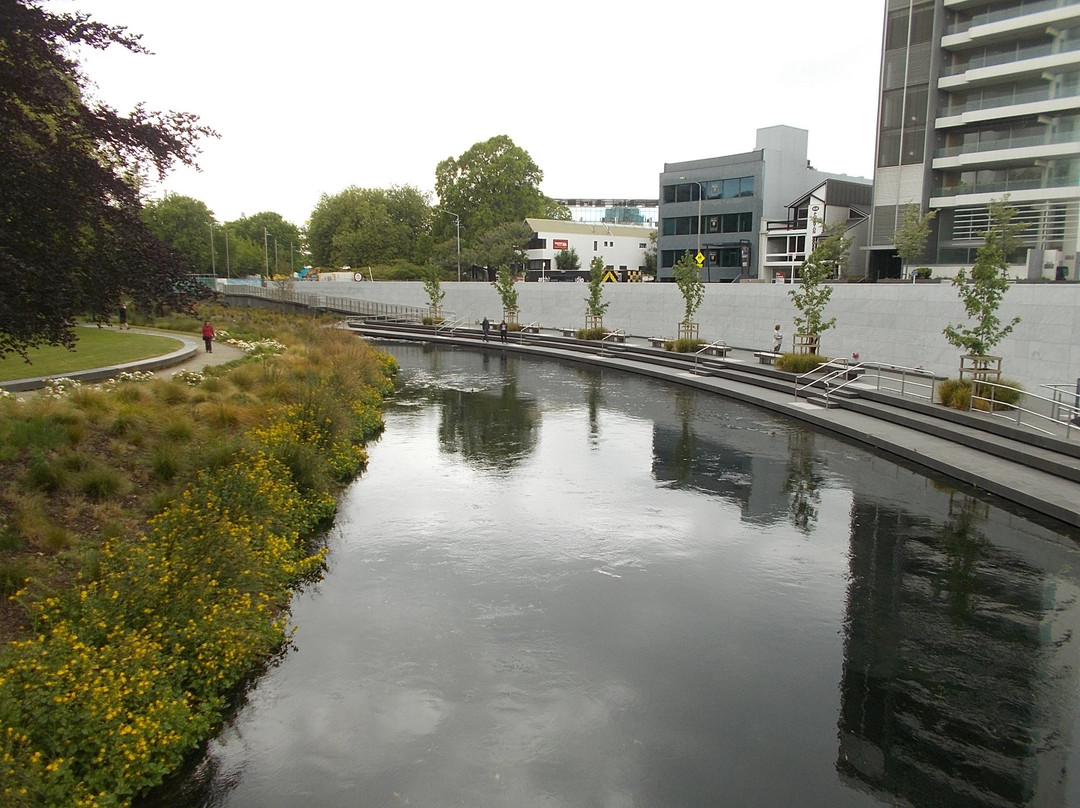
894,323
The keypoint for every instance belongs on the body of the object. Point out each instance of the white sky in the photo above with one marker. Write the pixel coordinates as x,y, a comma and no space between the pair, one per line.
311,97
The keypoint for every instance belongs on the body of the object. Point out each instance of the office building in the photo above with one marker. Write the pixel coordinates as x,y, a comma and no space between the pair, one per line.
979,100
717,207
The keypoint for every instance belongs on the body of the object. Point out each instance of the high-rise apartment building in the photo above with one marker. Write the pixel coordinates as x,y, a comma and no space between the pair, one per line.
979,100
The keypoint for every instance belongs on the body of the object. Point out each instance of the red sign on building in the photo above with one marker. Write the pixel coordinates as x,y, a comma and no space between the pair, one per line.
559,243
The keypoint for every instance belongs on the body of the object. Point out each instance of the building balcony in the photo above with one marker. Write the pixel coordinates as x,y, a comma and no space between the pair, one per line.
1004,152
780,227
991,68
1001,24
1019,190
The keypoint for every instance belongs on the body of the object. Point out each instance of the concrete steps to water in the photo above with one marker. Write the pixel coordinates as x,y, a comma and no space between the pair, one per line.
1018,464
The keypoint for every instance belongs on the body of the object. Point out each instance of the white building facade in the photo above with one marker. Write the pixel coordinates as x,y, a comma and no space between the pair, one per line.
623,248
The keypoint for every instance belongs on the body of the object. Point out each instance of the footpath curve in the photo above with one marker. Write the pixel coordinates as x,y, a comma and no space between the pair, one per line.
1016,464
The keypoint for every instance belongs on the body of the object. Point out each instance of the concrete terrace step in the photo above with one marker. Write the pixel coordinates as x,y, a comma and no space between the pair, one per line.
1018,465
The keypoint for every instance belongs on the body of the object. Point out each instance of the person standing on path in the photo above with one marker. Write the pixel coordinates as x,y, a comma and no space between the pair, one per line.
777,339
123,316
502,330
485,326
208,336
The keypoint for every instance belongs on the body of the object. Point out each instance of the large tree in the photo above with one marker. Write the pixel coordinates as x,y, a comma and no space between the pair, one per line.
492,183
185,224
364,226
71,236
277,240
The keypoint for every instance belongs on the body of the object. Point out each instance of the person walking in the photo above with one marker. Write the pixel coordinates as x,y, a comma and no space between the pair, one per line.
777,339
208,336
502,330
485,326
123,316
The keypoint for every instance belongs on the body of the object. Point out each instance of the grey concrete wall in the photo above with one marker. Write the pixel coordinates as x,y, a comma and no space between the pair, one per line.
895,323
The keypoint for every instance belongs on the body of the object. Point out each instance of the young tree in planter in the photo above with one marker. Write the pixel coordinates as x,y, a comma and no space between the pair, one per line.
812,294
594,307
504,285
434,290
688,279
981,293
911,236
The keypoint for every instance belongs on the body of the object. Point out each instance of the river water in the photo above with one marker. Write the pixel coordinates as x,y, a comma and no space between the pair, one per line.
560,587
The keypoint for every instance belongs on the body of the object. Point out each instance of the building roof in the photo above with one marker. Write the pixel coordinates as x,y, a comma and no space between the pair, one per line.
588,228
843,193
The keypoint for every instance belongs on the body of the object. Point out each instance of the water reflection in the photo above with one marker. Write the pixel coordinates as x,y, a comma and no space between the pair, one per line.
665,599
959,671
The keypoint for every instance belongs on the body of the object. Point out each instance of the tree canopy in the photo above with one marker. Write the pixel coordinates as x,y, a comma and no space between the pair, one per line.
492,183
365,226
185,224
71,237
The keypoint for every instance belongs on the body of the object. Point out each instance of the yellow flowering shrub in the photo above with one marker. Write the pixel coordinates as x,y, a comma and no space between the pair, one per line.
125,671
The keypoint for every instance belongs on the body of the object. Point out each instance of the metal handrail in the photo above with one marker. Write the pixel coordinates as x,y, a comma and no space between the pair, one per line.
843,368
904,373
451,323
523,330
1059,390
1072,412
618,332
704,348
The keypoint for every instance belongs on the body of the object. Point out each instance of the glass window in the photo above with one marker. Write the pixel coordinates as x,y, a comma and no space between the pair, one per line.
669,193
889,149
922,25
731,188
714,189
712,224
746,222
746,186
682,193
892,109
915,107
914,143
896,28
668,227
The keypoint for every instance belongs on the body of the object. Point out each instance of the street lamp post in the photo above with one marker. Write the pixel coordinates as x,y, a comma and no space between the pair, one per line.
266,255
701,195
457,221
213,265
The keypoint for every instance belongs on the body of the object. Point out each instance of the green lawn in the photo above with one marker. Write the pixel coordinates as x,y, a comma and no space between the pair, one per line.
97,347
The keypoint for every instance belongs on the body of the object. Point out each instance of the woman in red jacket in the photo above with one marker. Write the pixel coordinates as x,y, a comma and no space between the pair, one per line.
208,336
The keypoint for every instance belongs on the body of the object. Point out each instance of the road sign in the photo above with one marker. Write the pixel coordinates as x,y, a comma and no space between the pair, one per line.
611,277
700,260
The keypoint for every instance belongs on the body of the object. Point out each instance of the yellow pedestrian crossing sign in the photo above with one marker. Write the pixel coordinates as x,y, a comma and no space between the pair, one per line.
700,260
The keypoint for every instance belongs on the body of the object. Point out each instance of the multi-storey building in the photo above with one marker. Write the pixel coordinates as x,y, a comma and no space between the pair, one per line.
979,100
716,207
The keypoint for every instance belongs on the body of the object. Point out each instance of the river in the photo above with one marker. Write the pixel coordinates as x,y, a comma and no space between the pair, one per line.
565,587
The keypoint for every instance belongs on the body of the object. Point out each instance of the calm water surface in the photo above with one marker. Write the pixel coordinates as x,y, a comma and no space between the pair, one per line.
560,587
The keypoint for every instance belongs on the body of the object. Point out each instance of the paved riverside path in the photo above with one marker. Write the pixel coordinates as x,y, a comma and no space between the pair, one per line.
883,426
190,356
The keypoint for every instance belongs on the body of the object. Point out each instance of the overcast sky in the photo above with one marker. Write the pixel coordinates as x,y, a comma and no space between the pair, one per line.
313,96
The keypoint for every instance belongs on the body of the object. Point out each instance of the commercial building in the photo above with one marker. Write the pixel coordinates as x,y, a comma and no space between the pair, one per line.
979,100
717,207
623,248
787,242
